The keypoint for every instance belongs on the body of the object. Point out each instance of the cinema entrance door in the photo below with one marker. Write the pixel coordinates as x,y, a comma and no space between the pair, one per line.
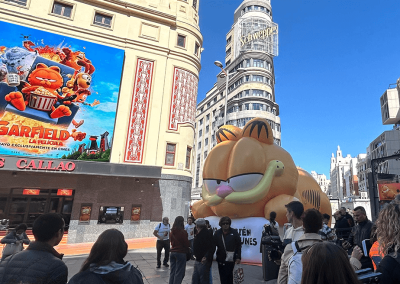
25,205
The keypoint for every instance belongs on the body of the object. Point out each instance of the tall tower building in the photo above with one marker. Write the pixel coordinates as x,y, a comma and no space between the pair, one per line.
251,45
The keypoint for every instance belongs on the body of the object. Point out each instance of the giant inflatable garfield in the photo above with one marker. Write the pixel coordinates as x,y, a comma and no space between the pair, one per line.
246,176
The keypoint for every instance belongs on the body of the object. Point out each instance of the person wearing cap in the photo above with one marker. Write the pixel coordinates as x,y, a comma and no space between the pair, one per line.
203,251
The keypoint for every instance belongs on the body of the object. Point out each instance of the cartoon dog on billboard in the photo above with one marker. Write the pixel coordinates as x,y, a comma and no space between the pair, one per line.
247,175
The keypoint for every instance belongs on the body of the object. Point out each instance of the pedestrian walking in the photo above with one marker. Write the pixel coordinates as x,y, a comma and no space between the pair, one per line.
14,241
40,263
190,229
161,231
203,252
229,249
388,236
179,247
106,264
327,263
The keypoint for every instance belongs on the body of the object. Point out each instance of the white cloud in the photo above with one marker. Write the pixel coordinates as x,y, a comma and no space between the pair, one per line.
106,107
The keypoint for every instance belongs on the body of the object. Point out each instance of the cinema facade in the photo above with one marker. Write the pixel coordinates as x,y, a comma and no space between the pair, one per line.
97,112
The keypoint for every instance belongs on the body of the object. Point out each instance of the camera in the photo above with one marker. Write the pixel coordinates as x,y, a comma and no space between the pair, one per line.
367,276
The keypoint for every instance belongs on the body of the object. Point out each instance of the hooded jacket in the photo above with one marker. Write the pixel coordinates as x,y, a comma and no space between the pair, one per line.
40,263
112,273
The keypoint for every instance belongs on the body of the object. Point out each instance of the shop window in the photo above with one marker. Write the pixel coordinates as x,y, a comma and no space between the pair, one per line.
62,9
170,154
102,20
18,2
136,212
111,215
3,203
181,41
188,154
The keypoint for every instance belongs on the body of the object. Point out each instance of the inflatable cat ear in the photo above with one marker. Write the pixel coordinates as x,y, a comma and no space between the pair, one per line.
228,132
259,128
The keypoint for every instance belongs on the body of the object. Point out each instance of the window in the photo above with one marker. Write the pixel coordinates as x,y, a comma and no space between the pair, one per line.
258,93
247,78
181,41
246,106
201,120
207,128
256,106
215,99
207,117
257,78
102,20
229,51
205,155
62,9
188,153
200,133
19,2
170,155
206,142
199,146
229,40
195,4
228,62
196,49
258,63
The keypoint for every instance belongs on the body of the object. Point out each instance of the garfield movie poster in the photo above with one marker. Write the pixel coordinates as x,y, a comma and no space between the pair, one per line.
58,95
388,191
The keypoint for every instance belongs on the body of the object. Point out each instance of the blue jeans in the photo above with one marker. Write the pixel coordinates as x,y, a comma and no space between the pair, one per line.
178,267
201,273
191,245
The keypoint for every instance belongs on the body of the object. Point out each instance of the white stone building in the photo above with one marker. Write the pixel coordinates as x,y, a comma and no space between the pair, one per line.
251,45
323,182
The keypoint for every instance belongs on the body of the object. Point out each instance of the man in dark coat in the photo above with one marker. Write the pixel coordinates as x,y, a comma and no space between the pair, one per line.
347,216
203,251
360,232
40,263
342,226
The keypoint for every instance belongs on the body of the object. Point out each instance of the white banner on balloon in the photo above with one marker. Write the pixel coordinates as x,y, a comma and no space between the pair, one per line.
250,231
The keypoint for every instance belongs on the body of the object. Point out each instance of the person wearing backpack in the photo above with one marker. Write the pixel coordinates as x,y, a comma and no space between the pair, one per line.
161,231
388,235
291,267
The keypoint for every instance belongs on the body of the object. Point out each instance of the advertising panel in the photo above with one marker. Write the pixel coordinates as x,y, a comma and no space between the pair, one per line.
388,191
58,95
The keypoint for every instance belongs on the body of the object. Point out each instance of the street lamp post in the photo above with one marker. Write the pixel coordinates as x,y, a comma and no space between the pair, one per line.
219,64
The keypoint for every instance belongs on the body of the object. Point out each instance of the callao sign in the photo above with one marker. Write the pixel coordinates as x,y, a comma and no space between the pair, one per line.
40,165
265,33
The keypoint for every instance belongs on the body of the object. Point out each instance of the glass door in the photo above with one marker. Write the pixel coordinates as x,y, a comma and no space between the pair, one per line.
17,210
37,207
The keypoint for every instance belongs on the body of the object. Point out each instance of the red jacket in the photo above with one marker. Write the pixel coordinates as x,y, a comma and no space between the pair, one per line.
179,241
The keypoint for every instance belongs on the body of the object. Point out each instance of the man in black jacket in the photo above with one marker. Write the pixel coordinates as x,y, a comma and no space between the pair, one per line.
342,226
228,242
203,251
40,263
360,232
346,215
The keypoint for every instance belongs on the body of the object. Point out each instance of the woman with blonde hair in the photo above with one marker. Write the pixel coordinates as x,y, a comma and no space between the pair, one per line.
388,235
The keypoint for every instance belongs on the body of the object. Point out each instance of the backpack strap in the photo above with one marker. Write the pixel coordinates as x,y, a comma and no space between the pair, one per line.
295,247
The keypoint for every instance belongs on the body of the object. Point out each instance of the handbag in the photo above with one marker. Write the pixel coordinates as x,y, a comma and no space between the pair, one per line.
188,254
10,249
229,254
238,275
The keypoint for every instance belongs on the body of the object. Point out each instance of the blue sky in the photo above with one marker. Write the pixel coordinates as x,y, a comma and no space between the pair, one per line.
336,58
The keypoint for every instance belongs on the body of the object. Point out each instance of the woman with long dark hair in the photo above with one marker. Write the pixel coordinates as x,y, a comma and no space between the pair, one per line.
106,264
179,246
327,263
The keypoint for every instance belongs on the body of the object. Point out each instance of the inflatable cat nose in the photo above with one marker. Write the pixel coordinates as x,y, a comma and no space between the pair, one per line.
224,190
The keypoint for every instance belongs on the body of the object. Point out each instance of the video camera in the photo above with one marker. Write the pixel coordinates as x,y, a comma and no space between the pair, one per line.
367,276
273,244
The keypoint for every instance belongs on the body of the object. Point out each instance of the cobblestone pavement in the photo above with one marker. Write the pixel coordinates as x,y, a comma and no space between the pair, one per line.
145,260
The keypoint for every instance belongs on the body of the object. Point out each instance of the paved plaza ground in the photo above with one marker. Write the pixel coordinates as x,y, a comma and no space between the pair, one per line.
145,260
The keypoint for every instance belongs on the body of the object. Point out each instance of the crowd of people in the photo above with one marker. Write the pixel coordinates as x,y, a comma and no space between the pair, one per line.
313,252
